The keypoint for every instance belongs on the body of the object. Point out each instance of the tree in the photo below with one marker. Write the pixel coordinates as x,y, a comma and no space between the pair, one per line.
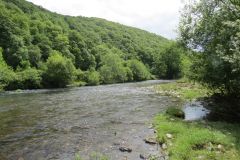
167,63
138,70
34,54
212,29
59,71
112,69
6,73
92,77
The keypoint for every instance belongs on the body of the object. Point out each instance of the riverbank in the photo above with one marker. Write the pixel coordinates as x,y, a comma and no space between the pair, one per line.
202,139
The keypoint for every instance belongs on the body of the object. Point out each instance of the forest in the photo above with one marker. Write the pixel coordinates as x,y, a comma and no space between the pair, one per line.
41,49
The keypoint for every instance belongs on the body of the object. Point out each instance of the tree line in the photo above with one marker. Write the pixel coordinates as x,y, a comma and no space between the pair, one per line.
41,49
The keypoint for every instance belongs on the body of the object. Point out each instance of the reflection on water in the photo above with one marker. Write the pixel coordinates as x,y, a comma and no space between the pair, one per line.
56,124
195,111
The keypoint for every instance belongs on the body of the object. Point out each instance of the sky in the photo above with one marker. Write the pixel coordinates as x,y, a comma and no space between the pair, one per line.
156,16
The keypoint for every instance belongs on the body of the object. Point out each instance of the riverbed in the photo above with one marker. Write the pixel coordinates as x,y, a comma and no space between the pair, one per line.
58,123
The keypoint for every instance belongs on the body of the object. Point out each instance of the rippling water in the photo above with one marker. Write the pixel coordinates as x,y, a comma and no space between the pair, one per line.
57,124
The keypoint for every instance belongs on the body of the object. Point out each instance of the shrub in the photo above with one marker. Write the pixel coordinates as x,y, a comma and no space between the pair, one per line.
27,79
59,72
113,70
168,63
175,112
92,78
139,71
6,73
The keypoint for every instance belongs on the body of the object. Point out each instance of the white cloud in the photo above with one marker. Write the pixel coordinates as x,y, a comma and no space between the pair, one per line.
157,16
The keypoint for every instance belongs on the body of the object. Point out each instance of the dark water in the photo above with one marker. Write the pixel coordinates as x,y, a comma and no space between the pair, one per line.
57,124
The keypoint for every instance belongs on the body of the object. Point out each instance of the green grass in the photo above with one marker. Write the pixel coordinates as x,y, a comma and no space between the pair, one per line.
195,140
182,89
198,140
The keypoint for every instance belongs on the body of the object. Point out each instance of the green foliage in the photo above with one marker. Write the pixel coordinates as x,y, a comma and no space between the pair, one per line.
92,77
6,73
30,34
183,89
212,28
59,72
34,54
168,63
139,72
29,78
113,69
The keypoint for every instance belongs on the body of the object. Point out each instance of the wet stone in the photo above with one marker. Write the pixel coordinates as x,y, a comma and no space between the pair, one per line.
151,140
125,149
169,136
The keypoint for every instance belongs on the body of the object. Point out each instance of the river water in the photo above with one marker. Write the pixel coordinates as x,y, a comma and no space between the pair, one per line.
57,124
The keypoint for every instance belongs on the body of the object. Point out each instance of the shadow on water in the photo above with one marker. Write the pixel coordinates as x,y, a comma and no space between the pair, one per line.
218,113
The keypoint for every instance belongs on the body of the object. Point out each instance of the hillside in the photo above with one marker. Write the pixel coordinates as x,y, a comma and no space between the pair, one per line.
30,34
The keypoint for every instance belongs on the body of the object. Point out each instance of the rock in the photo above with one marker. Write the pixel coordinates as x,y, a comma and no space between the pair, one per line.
150,126
116,144
164,146
143,156
220,147
151,140
125,149
200,157
170,136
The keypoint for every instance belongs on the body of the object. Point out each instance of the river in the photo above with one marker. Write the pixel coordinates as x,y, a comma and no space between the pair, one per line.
58,123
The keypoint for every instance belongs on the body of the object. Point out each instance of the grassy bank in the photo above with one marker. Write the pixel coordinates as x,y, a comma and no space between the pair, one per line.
182,89
194,140
198,140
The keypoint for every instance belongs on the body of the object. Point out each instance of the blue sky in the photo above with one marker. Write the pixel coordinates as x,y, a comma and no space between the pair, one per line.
157,16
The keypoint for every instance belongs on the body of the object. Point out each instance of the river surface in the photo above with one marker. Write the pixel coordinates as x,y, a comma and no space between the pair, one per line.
57,124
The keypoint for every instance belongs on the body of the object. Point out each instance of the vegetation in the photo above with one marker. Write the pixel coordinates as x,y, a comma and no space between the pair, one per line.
59,71
37,40
182,89
137,71
211,28
197,140
202,139
168,64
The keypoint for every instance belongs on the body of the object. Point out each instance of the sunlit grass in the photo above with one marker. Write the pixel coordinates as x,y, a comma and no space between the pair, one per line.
198,140
182,89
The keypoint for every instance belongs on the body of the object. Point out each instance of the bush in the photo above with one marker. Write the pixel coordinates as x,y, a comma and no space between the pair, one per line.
6,73
168,63
26,79
59,72
175,112
217,40
112,69
139,71
92,78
